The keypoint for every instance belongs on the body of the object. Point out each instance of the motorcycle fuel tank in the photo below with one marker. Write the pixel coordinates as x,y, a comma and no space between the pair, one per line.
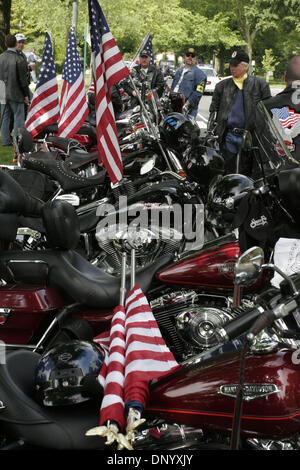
203,395
206,269
23,309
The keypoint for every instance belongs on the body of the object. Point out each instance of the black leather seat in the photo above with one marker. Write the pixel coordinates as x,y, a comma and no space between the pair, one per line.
61,171
45,427
64,268
77,158
73,275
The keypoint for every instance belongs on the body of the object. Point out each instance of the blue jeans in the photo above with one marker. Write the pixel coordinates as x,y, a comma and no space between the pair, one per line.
233,142
9,110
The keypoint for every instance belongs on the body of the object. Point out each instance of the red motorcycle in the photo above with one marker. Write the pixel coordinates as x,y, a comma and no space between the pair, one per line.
190,297
197,407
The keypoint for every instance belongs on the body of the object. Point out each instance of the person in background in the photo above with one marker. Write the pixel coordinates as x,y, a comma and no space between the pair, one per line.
284,108
144,73
233,109
13,73
20,47
190,81
32,60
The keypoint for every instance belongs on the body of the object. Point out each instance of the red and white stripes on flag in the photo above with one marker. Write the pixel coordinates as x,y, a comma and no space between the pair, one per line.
73,105
108,69
137,354
44,107
147,355
111,376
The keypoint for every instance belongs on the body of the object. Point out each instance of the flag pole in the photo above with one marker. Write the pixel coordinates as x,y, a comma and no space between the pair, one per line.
152,128
139,49
85,49
123,280
132,268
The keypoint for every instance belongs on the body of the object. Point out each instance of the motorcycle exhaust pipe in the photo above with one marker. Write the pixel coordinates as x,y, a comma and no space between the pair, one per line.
168,437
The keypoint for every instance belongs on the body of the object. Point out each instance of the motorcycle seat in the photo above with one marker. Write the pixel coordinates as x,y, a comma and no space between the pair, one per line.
40,426
77,158
72,275
62,143
61,171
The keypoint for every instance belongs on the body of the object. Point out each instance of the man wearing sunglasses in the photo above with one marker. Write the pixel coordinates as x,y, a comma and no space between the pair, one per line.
190,81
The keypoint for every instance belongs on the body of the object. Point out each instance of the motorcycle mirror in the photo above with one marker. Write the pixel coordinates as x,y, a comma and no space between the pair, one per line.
147,166
248,267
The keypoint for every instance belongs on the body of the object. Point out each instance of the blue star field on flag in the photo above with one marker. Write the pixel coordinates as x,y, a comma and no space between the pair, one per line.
47,69
72,66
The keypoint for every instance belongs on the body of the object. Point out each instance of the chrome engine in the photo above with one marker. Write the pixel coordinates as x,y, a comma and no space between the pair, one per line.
149,244
188,320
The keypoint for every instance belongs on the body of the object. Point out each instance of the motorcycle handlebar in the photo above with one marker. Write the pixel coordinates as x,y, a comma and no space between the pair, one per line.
239,325
260,316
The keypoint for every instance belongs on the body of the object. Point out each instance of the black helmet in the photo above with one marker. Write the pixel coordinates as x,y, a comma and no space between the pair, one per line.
68,372
177,130
224,195
205,163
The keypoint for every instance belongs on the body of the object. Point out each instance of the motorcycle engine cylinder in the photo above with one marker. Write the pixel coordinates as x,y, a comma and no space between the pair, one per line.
198,325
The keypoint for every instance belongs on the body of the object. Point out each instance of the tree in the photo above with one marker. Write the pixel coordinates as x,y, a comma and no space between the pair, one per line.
5,9
269,63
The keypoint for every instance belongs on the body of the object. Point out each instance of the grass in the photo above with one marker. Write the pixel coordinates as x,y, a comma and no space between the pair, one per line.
6,154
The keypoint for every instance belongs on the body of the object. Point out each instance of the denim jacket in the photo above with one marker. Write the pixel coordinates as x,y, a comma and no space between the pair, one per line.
192,86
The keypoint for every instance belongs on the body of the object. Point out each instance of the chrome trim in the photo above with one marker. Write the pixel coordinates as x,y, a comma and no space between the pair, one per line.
26,261
28,231
90,206
255,390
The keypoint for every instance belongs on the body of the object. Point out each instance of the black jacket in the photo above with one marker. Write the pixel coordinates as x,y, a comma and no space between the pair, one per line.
255,89
13,72
154,78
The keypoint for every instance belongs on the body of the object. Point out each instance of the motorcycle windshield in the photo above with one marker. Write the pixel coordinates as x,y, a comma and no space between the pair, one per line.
276,153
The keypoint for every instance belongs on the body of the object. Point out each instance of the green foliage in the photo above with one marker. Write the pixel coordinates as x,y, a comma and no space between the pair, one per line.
214,27
269,62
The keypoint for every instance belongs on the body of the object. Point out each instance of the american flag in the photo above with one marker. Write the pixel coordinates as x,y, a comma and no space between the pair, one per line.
146,45
73,104
137,354
147,355
44,108
111,376
108,69
287,116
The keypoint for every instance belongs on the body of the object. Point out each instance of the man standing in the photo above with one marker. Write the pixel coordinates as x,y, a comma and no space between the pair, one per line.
145,73
233,109
13,73
20,47
190,81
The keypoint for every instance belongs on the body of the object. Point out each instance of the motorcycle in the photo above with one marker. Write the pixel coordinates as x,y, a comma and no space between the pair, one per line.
188,293
194,407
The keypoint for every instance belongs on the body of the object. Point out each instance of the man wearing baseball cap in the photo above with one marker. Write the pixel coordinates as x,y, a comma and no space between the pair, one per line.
190,81
233,109
13,75
147,73
20,37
